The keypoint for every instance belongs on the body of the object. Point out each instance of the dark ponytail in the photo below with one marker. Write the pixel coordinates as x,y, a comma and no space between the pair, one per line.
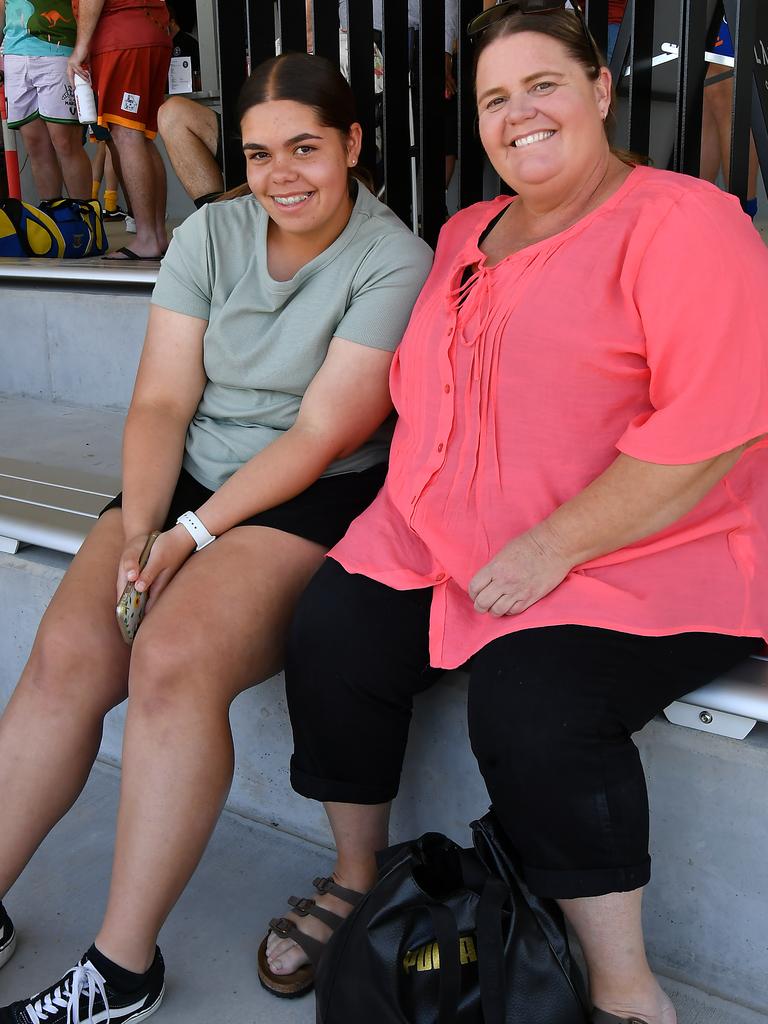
312,81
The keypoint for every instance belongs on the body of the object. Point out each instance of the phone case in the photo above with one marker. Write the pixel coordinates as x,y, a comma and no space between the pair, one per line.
130,607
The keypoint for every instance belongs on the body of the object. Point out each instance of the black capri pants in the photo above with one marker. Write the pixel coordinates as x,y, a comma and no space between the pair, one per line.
551,715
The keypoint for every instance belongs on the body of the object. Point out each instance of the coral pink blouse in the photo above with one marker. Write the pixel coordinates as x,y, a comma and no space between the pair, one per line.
643,329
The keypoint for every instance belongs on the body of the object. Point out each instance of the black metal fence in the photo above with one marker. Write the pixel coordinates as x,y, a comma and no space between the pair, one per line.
658,66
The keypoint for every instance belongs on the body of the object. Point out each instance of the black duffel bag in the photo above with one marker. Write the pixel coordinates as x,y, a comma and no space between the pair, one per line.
509,962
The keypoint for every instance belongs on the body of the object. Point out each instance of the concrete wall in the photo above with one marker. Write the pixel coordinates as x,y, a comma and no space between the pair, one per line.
62,345
705,909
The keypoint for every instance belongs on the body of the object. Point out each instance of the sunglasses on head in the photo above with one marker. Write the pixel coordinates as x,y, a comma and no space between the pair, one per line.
503,10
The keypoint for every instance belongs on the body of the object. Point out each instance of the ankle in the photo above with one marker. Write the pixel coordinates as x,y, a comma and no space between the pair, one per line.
644,1000
130,959
358,875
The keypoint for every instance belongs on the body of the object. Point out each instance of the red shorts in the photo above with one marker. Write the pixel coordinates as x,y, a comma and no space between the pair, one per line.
130,86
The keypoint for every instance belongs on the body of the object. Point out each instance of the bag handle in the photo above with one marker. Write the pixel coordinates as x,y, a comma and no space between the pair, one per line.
447,936
490,951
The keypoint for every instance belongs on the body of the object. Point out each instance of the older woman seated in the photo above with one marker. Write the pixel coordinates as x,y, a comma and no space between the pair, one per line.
575,504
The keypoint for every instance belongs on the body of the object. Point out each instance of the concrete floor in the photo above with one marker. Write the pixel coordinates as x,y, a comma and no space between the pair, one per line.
211,938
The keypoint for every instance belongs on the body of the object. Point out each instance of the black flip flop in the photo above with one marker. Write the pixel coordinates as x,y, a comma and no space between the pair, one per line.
129,255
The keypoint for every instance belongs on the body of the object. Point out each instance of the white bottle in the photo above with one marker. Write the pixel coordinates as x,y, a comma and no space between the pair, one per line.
85,101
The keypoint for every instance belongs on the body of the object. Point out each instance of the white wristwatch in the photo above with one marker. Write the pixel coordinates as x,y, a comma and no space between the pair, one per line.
196,530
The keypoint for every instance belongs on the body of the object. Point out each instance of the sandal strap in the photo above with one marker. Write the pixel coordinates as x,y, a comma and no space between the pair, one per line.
328,885
287,929
306,906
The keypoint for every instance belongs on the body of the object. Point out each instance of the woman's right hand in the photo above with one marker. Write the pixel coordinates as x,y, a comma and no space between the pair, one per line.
128,566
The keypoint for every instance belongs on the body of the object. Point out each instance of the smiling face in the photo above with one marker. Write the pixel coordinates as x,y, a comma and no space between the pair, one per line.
298,169
541,117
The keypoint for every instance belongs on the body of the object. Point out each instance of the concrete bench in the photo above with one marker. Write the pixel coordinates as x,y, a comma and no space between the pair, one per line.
59,466
48,506
54,508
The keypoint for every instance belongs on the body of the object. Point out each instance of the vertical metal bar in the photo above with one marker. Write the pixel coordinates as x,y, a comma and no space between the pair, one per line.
431,118
293,24
325,27
469,167
742,21
232,29
640,83
597,19
262,31
760,132
760,90
397,138
690,89
361,76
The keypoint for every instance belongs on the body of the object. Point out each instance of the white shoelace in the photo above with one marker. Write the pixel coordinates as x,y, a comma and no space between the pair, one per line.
67,997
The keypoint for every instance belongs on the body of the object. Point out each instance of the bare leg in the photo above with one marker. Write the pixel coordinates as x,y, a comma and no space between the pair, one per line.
359,832
186,668
609,929
161,196
718,107
76,672
140,179
98,163
46,170
111,184
75,166
190,132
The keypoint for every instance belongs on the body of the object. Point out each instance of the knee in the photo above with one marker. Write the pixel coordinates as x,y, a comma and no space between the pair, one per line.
531,727
166,672
70,666
171,115
67,143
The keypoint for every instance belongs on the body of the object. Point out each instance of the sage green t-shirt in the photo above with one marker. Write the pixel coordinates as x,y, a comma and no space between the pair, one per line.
267,339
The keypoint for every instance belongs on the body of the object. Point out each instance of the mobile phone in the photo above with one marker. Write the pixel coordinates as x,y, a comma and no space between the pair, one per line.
130,607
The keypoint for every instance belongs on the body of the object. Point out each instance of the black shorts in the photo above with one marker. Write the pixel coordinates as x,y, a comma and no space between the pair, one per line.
322,513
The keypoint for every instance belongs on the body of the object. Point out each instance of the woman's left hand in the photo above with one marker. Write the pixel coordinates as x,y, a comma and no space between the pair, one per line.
169,552
524,571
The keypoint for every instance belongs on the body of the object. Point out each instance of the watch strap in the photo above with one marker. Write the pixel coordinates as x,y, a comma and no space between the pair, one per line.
196,530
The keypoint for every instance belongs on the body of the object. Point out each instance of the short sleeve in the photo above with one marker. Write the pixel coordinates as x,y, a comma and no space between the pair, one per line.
184,283
384,291
702,295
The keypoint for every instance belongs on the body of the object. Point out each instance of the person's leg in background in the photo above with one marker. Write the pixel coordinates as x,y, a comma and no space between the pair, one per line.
98,162
139,174
191,135
716,136
56,103
717,123
46,171
161,195
67,141
551,716
24,116
130,86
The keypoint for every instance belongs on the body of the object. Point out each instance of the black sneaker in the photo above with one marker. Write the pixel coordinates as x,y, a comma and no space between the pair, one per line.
96,1001
7,937
113,215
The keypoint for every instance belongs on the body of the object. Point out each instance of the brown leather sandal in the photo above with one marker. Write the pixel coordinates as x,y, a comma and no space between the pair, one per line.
291,986
601,1017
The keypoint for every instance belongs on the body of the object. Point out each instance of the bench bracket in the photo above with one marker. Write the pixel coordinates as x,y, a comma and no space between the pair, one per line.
8,545
721,723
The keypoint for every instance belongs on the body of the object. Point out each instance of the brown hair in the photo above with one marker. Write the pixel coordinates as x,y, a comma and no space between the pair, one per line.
312,81
563,26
